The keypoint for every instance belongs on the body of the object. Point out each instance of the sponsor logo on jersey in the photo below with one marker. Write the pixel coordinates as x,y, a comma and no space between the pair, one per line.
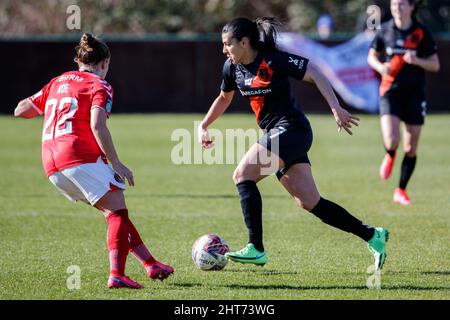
256,92
298,62
391,51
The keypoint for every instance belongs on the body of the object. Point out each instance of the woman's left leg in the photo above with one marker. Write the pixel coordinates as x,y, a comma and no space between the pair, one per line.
299,182
411,137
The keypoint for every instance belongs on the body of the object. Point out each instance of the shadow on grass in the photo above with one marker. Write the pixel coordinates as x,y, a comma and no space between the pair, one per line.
445,273
333,287
186,285
198,196
158,195
305,287
430,273
261,271
264,272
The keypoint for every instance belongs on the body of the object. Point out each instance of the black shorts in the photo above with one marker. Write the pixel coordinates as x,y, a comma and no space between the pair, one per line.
289,142
406,103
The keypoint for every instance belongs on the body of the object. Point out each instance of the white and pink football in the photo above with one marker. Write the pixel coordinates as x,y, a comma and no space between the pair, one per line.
208,252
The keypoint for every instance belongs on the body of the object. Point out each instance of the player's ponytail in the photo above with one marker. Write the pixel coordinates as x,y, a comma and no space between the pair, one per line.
268,27
243,27
417,5
91,50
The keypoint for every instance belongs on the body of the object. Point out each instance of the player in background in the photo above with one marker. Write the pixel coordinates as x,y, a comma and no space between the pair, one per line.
401,52
76,148
261,73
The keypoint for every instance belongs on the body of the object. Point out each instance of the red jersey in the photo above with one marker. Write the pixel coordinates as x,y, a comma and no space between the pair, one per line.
66,102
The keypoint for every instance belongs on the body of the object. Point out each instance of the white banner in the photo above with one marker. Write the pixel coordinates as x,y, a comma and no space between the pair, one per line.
344,65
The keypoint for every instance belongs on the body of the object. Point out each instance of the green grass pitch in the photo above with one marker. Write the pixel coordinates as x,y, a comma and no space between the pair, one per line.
42,233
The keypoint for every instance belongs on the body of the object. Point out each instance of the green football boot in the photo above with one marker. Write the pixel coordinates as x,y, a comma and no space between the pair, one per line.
377,245
248,255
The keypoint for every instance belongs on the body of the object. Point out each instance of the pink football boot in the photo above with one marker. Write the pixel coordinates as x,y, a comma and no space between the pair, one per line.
158,270
123,282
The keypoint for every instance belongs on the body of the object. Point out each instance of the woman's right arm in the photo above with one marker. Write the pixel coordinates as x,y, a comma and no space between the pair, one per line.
25,110
217,108
374,61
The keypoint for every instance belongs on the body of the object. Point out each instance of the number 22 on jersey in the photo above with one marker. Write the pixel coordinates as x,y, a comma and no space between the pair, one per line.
52,128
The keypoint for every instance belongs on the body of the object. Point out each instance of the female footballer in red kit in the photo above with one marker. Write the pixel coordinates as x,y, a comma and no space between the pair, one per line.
76,148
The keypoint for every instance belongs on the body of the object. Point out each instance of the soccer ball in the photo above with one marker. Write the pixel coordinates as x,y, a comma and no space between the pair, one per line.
208,252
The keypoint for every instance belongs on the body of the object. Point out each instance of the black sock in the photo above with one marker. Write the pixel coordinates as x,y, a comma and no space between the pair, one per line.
408,165
390,152
336,216
251,205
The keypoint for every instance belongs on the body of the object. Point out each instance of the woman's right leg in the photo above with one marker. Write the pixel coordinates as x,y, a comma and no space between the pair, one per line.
78,184
114,202
390,130
257,163
410,142
113,207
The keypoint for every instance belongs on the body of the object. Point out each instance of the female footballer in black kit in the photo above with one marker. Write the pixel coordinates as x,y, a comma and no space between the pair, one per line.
261,73
401,52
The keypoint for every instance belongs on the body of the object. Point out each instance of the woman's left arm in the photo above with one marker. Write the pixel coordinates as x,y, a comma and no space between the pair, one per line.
429,64
104,140
343,118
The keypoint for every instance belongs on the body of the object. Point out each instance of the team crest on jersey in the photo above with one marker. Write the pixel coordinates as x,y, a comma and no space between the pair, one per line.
263,74
108,105
248,82
415,38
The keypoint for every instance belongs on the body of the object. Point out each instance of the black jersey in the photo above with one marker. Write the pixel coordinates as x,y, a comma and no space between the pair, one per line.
392,43
265,82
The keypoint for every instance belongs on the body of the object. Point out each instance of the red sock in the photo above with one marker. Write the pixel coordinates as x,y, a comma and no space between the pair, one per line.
137,246
118,231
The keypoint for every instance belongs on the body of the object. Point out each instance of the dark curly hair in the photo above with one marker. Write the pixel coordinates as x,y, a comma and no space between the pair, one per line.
91,50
